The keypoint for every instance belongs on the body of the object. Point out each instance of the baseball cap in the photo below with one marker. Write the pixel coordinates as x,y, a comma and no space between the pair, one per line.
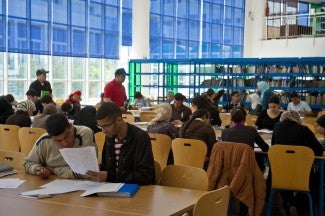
41,71
121,71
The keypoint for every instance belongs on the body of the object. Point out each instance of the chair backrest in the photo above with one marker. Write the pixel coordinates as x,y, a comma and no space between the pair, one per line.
9,140
28,137
225,118
157,172
290,166
100,141
129,118
189,152
250,120
13,158
161,144
184,177
321,113
146,116
310,126
213,203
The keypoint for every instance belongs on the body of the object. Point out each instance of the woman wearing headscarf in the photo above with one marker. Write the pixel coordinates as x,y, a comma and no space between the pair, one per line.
161,123
289,131
5,110
74,98
266,93
21,117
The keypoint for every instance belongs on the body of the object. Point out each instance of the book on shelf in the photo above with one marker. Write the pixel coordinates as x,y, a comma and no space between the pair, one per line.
6,170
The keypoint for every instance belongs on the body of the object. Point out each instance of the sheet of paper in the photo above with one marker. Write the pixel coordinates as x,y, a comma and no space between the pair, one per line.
81,160
105,187
267,131
11,182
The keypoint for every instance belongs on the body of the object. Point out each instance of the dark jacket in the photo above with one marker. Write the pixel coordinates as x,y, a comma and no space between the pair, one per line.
292,133
5,110
244,134
264,121
199,130
86,117
20,118
183,113
136,163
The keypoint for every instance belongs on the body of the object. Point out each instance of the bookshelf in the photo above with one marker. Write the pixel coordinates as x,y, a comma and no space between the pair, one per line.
284,75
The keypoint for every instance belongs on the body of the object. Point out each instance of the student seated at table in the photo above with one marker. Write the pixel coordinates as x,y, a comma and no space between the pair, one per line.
198,127
40,119
234,102
200,102
22,114
69,110
239,132
270,116
289,131
127,155
181,113
161,123
5,109
87,117
300,106
141,101
45,158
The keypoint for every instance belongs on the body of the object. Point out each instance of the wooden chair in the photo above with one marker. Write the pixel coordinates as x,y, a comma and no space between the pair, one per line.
184,177
13,158
28,137
290,166
157,172
146,116
161,144
100,141
189,152
225,118
129,118
9,137
213,203
310,126
321,113
250,120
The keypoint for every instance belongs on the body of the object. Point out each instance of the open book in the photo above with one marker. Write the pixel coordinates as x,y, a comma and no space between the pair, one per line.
91,188
6,170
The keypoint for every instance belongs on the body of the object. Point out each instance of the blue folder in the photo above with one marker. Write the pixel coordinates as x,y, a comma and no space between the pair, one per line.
127,190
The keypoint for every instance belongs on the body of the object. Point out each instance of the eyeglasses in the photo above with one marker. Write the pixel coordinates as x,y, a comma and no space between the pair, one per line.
107,126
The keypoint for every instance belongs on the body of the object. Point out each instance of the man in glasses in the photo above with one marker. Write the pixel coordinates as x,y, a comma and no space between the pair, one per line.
45,158
127,155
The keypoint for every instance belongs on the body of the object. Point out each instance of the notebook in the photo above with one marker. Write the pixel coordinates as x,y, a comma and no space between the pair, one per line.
6,170
127,190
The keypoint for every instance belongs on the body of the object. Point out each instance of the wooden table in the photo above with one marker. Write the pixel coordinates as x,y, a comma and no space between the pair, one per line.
149,200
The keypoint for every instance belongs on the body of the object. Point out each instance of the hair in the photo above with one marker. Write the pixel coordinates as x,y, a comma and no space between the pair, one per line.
47,99
274,99
238,114
199,113
108,110
210,92
66,107
164,113
234,93
56,124
293,95
138,95
10,98
50,109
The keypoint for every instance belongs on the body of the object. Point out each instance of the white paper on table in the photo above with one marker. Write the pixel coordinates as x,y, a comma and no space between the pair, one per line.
11,182
103,187
267,131
81,160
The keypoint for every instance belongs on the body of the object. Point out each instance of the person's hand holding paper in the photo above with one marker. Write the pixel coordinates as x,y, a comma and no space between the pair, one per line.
81,160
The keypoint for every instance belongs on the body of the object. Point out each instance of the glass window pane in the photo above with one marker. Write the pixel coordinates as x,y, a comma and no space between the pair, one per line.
155,47
40,9
95,89
112,18
78,86
217,15
60,89
155,6
206,34
182,9
17,8
37,62
169,7
60,68
168,27
95,16
79,41
168,49
194,49
112,45
78,13
194,9
127,27
239,36
181,49
60,40
194,30
95,66
96,41
17,66
229,16
206,12
155,25
17,35
2,33
18,89
228,33
39,37
238,17
182,31
60,9
78,66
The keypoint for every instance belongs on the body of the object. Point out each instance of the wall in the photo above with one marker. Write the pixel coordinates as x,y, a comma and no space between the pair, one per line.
255,46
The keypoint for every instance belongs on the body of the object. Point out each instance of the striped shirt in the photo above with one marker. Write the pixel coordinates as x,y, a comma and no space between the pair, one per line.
117,150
